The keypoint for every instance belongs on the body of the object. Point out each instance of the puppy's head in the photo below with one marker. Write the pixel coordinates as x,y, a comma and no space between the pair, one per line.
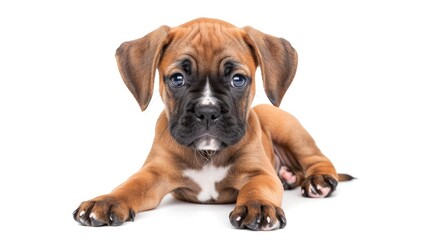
207,72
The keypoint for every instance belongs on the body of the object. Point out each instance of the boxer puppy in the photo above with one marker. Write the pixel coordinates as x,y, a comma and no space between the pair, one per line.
209,145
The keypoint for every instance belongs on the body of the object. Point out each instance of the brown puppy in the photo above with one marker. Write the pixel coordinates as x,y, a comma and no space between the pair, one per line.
209,146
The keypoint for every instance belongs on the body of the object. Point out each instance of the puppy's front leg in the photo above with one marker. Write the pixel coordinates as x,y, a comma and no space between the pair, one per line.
258,204
142,191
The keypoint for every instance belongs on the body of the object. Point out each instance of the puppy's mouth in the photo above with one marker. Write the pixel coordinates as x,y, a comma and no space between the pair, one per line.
207,143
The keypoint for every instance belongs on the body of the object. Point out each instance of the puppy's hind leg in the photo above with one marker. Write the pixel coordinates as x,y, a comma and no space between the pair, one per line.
288,169
290,139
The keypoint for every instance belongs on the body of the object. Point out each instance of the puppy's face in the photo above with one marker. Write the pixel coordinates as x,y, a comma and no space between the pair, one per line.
206,70
206,82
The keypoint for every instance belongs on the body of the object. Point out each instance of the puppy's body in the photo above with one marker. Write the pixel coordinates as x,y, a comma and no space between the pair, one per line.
209,146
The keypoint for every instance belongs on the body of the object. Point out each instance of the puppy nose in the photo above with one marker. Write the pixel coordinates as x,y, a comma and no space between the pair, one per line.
207,113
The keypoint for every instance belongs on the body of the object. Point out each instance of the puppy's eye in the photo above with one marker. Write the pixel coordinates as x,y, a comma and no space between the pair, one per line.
177,80
238,81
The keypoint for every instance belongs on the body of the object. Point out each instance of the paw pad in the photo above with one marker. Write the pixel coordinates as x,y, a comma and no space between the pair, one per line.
287,177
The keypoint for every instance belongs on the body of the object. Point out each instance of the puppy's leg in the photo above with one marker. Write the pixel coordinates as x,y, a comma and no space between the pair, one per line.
142,191
258,204
319,175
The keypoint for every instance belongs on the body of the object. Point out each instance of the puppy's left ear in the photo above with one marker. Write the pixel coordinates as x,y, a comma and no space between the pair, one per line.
277,59
137,62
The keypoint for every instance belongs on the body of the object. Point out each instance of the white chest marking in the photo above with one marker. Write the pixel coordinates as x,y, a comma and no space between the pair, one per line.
206,178
207,98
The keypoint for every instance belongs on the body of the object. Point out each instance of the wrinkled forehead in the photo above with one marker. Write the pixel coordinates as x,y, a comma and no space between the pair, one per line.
207,44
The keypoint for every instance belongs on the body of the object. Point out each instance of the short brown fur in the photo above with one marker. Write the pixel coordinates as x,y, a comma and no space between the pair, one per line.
273,138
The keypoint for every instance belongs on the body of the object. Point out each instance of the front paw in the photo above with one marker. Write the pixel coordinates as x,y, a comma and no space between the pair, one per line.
102,211
257,216
318,186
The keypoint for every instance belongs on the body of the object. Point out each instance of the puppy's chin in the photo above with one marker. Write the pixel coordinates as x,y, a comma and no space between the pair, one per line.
207,143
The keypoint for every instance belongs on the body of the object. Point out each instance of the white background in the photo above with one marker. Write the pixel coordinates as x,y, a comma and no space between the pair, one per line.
70,130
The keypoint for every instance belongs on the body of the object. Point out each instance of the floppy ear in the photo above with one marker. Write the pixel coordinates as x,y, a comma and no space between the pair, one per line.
137,62
278,62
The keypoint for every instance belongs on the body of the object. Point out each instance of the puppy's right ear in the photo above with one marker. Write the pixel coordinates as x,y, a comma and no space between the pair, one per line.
137,62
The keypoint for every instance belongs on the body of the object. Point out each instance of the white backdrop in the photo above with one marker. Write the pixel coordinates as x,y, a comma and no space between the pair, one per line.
70,130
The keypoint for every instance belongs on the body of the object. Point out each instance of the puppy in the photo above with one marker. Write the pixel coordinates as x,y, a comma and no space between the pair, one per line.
210,146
